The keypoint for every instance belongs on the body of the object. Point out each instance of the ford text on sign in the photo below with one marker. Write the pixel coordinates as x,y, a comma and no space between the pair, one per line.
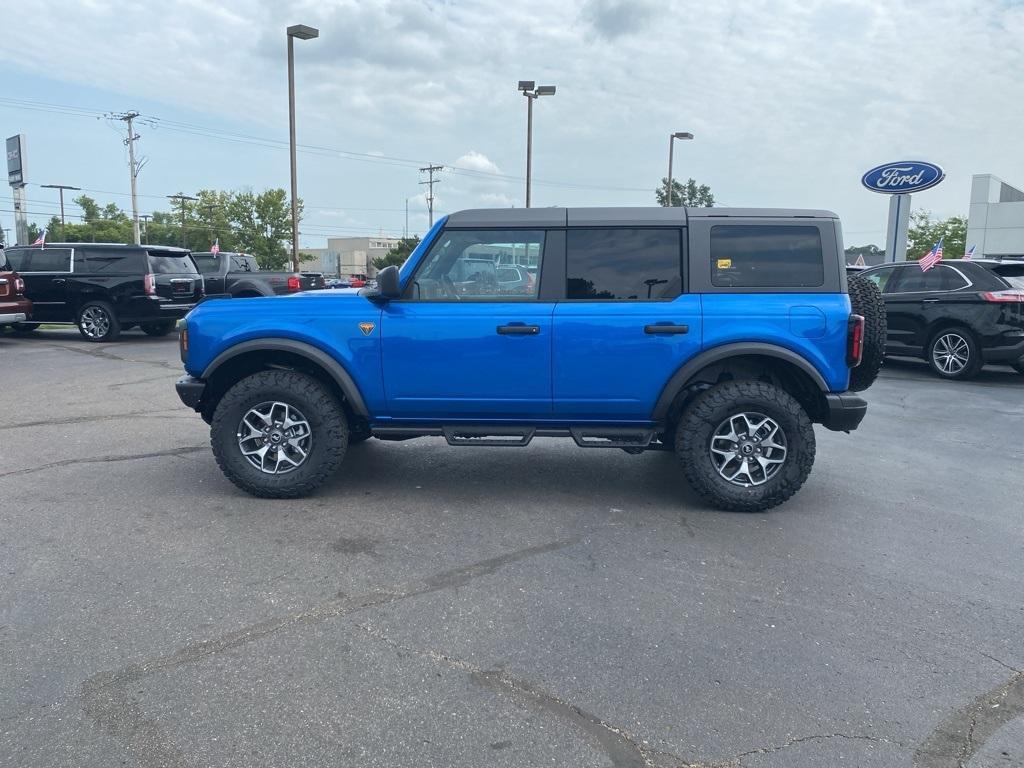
902,178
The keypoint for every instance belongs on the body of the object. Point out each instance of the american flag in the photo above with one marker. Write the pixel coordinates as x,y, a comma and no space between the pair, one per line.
933,257
41,240
215,248
969,254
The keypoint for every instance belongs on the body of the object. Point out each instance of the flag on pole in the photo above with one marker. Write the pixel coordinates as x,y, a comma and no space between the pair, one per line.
969,254
933,257
41,240
215,248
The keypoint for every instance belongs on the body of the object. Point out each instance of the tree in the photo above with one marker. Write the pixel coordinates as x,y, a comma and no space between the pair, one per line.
690,194
263,224
398,254
925,232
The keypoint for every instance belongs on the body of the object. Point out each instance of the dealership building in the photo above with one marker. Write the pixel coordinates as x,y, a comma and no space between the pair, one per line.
995,224
348,256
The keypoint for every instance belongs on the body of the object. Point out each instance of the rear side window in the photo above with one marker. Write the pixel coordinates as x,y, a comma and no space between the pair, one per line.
94,261
623,264
1011,273
754,256
163,263
50,260
207,262
938,278
245,264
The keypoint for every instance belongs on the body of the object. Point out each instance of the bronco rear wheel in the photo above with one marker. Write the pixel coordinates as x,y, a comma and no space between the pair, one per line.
279,434
866,301
745,446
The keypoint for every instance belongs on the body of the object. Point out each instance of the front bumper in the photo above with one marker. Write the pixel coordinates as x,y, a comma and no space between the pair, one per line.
190,390
845,411
13,317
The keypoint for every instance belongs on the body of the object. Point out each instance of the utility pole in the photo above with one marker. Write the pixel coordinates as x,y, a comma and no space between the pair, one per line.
129,142
430,195
145,226
181,199
60,187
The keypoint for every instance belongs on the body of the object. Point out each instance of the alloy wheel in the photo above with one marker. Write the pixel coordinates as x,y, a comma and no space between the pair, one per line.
274,437
951,353
748,449
95,322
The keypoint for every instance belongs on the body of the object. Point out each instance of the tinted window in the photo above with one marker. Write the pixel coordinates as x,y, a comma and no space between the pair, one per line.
1011,273
110,262
631,264
51,260
752,256
881,277
163,263
939,278
462,265
4,266
17,258
207,262
244,264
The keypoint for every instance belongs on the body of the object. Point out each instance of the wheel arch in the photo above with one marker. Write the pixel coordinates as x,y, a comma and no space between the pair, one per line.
255,355
756,360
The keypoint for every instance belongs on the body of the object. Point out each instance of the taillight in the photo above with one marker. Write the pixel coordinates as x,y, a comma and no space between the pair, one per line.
1011,295
855,341
149,284
19,285
294,284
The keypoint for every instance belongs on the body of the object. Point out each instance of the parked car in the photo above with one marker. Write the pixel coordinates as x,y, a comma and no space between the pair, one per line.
106,288
632,338
514,281
337,282
239,274
15,308
958,315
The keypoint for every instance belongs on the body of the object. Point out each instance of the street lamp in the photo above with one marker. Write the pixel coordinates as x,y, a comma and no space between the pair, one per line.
531,91
671,139
302,32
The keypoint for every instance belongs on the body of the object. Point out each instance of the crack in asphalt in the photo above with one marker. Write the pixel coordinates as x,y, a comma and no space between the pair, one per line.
105,354
955,741
83,419
105,700
100,459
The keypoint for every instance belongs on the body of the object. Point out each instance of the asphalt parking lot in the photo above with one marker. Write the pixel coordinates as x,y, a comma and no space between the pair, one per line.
438,606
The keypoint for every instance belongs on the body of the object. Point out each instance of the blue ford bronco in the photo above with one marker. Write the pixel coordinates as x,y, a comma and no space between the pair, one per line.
720,334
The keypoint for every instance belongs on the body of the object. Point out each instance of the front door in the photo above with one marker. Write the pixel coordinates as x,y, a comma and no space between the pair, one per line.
47,281
459,345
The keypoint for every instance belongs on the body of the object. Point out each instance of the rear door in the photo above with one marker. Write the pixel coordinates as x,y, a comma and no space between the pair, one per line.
213,269
175,276
625,325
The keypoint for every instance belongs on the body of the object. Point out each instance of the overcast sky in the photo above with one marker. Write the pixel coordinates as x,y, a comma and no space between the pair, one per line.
790,101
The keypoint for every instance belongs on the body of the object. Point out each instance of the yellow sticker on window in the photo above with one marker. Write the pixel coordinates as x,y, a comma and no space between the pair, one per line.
725,263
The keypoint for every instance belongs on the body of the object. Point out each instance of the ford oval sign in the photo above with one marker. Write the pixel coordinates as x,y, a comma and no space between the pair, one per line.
902,178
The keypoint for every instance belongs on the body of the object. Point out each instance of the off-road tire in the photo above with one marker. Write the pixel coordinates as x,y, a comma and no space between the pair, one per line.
327,423
866,301
708,410
113,326
974,361
157,329
358,433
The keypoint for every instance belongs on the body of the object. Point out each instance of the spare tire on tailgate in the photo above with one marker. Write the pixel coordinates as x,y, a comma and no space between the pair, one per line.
866,301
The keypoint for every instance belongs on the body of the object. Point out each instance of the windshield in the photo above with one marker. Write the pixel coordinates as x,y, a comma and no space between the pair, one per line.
175,264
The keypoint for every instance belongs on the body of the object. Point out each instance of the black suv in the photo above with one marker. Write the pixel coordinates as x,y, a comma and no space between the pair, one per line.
107,288
958,315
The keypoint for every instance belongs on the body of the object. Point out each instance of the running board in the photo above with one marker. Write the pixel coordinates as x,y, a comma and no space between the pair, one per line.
503,436
611,437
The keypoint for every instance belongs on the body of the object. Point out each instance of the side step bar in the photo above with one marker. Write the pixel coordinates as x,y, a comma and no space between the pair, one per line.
611,437
632,439
507,436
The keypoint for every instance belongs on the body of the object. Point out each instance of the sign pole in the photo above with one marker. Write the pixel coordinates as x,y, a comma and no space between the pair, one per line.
899,223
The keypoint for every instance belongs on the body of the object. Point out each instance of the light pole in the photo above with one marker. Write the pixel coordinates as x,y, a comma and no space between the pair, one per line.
531,91
182,199
302,32
671,142
61,187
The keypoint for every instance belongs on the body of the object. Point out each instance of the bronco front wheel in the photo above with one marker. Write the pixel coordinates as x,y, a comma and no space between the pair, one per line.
746,446
279,434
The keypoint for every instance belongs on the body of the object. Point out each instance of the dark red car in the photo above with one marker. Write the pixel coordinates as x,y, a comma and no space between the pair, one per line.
14,307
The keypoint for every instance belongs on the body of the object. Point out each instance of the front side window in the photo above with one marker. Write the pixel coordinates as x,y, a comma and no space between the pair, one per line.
881,277
759,256
17,259
938,278
51,260
463,266
623,264
206,262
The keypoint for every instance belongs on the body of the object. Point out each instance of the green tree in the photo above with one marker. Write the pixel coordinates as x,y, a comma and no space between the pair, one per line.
398,254
690,194
925,232
262,225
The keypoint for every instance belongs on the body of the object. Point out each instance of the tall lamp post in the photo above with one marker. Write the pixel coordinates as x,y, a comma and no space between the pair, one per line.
531,91
302,32
671,141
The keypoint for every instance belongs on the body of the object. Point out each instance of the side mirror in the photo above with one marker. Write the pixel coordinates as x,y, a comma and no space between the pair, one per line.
387,283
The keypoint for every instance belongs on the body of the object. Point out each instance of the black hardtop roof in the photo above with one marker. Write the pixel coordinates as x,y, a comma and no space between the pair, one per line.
649,216
168,249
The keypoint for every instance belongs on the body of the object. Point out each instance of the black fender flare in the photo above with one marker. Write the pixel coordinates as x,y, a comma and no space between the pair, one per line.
315,355
724,352
248,286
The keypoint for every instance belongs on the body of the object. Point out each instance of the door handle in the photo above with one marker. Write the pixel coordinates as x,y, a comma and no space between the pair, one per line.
58,280
518,330
666,328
